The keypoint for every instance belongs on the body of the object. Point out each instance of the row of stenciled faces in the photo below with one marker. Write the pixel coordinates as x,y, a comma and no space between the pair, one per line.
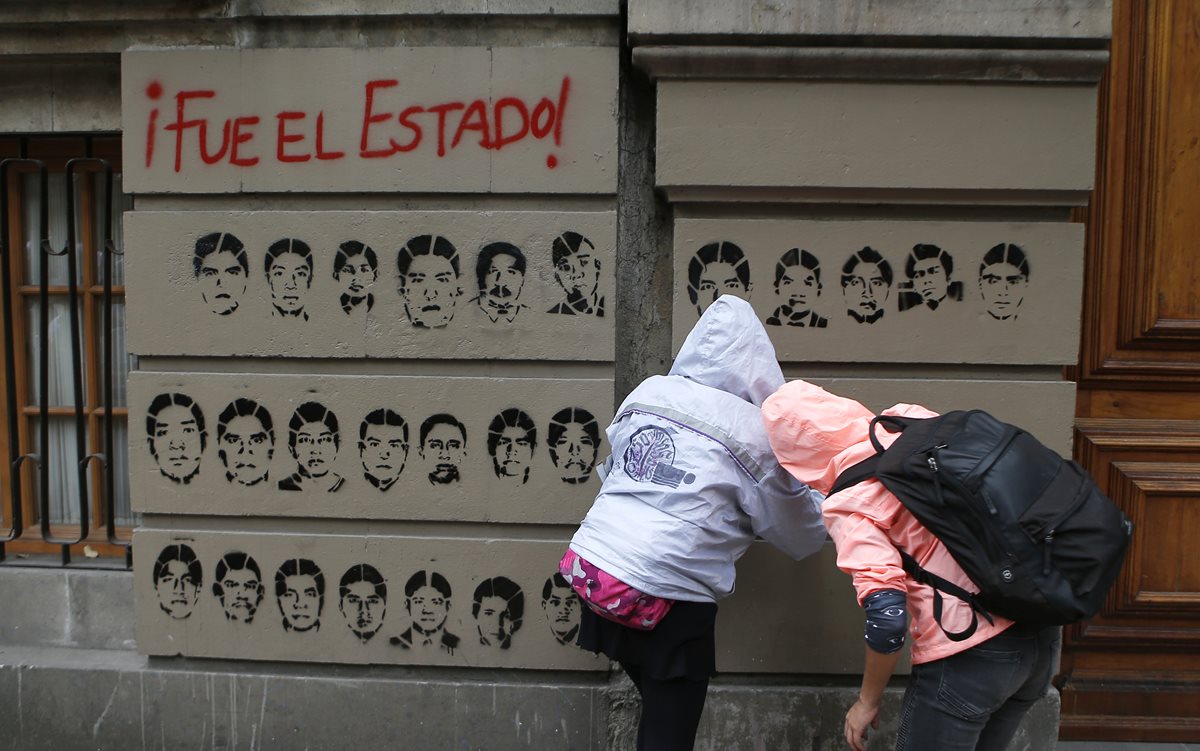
498,606
428,277
866,279
177,434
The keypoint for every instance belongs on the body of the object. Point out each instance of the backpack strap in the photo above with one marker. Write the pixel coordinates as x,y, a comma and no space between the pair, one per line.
940,585
855,474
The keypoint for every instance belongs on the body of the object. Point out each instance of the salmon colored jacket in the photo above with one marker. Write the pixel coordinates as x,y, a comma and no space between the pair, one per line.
816,435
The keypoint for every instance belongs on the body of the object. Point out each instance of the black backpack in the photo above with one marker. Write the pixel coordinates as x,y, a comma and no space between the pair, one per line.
1031,529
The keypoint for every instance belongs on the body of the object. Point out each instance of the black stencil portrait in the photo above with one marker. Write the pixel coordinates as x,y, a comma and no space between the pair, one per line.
719,268
866,285
429,280
237,585
929,270
245,442
573,437
289,267
355,268
797,285
562,608
577,271
300,594
498,605
512,437
313,440
221,268
362,599
177,436
1003,278
383,447
443,448
177,578
499,277
427,601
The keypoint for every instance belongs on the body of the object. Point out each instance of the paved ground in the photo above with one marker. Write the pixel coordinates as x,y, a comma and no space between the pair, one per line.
1098,746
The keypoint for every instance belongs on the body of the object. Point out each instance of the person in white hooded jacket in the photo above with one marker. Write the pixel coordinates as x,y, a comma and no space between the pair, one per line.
691,482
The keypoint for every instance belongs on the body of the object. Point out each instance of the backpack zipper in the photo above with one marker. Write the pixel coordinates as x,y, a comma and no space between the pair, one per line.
1049,540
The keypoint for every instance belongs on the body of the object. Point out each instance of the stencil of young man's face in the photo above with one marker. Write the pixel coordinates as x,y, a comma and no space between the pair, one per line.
428,608
929,279
445,448
300,602
578,273
502,283
315,449
867,290
717,279
574,452
177,442
562,611
176,589
493,621
356,275
383,452
241,591
289,279
222,282
514,451
246,450
430,291
799,286
363,607
1003,288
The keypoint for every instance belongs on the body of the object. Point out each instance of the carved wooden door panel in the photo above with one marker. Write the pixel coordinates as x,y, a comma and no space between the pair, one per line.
1133,672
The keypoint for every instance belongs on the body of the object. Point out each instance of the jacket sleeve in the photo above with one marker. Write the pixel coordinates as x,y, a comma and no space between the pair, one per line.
786,513
864,550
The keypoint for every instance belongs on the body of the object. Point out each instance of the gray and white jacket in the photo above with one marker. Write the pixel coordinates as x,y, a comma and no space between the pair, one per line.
692,480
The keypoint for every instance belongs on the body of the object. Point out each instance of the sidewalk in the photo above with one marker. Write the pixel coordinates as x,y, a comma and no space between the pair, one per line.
1125,746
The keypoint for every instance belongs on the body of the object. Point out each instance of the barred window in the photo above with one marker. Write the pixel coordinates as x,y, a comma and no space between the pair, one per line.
50,504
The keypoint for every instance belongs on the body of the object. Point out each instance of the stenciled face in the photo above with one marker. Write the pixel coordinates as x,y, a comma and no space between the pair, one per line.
300,602
176,589
562,610
383,452
177,442
514,450
929,279
241,591
445,449
1003,288
315,449
501,286
430,289
493,621
246,450
799,286
574,453
718,279
222,282
867,290
428,608
289,278
356,275
363,608
578,274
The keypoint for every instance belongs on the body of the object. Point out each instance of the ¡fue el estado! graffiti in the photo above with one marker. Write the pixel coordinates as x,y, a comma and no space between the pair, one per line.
388,127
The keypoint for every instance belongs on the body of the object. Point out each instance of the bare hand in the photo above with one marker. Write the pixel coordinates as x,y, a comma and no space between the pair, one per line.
857,719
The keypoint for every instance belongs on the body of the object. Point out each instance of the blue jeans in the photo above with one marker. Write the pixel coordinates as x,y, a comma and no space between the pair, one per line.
974,700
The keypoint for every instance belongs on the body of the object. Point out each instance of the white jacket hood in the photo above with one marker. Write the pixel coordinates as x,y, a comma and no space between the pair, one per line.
729,350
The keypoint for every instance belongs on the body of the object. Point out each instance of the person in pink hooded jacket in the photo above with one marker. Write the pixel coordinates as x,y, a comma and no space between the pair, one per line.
969,694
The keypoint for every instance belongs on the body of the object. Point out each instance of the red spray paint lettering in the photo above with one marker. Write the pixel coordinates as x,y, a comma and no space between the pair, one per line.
389,126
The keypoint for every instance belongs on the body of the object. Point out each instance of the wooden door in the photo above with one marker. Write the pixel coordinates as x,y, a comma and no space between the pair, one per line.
1133,672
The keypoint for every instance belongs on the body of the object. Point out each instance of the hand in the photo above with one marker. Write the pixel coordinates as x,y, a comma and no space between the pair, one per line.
857,719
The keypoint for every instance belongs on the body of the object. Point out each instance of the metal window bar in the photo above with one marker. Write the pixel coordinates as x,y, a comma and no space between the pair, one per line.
83,458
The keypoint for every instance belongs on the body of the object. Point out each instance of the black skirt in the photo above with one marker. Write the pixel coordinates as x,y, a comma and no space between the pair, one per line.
682,645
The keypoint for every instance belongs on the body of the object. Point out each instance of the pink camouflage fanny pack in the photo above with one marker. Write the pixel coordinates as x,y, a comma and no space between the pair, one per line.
611,598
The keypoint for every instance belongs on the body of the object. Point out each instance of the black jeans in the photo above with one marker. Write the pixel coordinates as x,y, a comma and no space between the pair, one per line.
974,700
